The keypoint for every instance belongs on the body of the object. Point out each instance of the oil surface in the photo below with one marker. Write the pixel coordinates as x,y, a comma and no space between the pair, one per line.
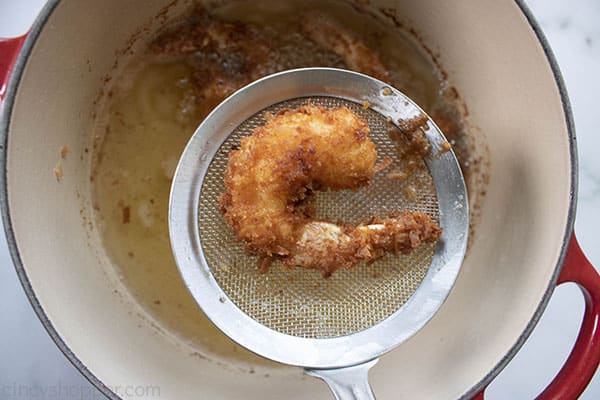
155,109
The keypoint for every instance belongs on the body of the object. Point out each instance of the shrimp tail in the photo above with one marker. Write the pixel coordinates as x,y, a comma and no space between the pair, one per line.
329,247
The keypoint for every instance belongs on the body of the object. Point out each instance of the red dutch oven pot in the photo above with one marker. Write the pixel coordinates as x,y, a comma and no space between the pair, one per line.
523,246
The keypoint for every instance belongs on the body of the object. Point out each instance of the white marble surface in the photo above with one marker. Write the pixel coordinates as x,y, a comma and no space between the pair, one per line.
29,358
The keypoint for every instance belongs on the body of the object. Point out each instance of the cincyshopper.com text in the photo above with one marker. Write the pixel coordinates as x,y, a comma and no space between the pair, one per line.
62,391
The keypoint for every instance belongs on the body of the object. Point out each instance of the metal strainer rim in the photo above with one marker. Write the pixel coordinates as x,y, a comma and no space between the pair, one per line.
186,242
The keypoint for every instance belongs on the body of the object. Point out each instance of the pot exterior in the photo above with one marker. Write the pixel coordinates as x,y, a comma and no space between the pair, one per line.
501,66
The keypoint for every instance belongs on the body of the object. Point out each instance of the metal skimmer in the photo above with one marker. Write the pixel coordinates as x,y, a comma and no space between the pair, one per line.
333,327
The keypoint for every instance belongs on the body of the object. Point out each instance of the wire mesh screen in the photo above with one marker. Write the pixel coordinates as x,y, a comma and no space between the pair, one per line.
300,302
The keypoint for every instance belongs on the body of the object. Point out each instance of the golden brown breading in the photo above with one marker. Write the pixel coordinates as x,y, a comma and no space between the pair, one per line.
282,162
270,177
330,247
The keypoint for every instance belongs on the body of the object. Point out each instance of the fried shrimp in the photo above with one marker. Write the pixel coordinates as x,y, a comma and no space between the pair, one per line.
270,178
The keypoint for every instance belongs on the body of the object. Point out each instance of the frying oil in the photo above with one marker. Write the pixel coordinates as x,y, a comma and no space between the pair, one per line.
150,118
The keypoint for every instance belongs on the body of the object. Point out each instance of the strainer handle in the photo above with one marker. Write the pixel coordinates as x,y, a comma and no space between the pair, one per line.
350,383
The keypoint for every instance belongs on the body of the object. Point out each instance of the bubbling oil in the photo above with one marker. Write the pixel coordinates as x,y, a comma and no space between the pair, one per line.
154,111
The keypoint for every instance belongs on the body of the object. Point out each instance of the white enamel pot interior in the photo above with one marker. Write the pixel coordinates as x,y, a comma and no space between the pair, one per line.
491,53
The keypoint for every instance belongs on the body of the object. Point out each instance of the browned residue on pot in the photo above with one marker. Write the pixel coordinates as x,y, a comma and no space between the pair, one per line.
470,149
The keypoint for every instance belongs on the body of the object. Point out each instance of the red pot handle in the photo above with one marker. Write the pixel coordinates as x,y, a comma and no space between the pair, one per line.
9,49
579,369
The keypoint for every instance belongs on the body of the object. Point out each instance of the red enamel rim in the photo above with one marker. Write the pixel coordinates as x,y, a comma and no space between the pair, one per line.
572,265
579,369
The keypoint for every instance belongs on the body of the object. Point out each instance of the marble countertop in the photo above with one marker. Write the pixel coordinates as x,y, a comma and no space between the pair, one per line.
28,357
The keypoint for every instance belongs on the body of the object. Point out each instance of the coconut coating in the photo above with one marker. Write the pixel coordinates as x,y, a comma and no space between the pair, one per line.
276,168
270,178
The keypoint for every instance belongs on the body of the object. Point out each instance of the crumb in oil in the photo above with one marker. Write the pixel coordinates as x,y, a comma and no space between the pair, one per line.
64,151
58,172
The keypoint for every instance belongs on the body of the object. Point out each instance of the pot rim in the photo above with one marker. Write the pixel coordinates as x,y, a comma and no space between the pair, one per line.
568,113
5,118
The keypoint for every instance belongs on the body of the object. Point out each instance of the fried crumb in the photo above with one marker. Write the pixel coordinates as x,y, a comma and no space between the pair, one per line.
126,214
58,172
444,148
157,302
413,124
411,143
410,192
397,175
366,104
64,151
386,91
264,264
387,161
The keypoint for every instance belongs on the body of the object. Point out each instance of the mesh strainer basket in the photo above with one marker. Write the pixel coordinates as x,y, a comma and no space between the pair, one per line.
295,316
